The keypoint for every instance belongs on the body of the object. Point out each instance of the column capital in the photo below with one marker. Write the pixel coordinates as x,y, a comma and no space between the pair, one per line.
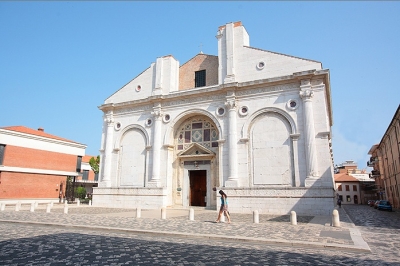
306,94
231,103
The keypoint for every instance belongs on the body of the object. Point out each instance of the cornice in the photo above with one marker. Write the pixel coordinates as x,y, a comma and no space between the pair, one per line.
35,137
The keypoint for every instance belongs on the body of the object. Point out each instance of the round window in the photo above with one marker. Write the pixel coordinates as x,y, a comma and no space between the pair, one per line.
260,65
166,118
138,88
292,104
243,110
149,122
220,111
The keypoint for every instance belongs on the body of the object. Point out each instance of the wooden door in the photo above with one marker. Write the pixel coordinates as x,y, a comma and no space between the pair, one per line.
198,187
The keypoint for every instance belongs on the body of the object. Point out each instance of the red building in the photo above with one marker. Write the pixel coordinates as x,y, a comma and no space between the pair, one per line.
35,164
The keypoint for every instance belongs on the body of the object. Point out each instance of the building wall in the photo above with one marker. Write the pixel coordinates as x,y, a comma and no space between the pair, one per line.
16,185
39,159
386,160
199,62
32,168
348,197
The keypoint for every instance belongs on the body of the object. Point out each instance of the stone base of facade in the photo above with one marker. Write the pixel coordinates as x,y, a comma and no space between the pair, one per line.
281,201
132,198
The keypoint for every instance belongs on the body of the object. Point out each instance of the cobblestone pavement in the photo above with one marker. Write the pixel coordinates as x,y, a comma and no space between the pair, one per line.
100,236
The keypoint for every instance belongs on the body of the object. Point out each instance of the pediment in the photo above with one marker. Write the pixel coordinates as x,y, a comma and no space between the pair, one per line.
196,149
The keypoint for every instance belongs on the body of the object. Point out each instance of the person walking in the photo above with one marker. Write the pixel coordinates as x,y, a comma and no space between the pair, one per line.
224,207
339,203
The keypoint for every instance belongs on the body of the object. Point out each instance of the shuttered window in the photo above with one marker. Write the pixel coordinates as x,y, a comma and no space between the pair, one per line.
85,175
2,150
200,78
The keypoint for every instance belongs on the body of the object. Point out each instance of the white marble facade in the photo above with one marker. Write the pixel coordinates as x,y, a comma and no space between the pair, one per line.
259,128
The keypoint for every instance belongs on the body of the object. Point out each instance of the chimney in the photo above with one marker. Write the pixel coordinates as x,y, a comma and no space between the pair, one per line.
40,129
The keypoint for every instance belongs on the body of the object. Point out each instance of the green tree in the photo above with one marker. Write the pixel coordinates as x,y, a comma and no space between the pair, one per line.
94,164
80,192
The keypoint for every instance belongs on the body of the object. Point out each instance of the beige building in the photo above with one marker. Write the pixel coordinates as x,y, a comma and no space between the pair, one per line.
385,159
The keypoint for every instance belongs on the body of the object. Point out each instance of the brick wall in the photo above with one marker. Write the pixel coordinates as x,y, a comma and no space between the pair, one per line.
24,185
199,62
32,158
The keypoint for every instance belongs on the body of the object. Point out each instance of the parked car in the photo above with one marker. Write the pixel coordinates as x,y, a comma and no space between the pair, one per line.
384,205
376,204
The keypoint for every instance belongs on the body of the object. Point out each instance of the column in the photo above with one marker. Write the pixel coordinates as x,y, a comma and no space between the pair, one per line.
306,94
232,141
106,179
295,143
156,159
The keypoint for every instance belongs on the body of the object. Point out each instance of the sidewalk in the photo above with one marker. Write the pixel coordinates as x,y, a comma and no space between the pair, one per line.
311,232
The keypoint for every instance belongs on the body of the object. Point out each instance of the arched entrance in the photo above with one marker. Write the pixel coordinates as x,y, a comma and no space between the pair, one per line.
196,162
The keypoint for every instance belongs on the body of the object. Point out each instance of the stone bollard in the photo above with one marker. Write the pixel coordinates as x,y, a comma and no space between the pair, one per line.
90,202
191,214
3,207
138,212
32,207
256,218
335,218
48,208
293,218
163,213
78,202
66,209
17,206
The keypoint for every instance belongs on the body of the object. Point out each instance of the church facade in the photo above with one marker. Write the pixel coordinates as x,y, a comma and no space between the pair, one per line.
254,123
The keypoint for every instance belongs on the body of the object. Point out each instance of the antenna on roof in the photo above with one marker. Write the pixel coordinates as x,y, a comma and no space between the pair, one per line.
201,45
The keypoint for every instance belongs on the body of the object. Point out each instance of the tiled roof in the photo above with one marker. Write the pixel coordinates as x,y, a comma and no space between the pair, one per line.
86,158
30,131
345,178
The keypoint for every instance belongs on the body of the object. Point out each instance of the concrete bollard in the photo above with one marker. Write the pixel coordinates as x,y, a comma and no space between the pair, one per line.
48,208
256,218
138,212
163,213
191,214
18,206
3,207
90,202
78,202
32,207
293,218
66,209
335,218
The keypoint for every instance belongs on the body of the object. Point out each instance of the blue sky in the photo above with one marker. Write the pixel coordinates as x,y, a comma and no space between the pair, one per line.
59,61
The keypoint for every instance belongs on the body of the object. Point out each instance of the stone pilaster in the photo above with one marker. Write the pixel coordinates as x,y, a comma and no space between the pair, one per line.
155,178
306,94
106,179
231,104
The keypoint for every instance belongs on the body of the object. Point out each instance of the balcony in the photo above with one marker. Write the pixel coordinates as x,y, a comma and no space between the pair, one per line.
374,174
372,161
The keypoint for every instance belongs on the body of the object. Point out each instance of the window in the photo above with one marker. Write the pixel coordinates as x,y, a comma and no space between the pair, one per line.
347,188
78,163
354,187
85,175
339,188
2,150
200,78
348,198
